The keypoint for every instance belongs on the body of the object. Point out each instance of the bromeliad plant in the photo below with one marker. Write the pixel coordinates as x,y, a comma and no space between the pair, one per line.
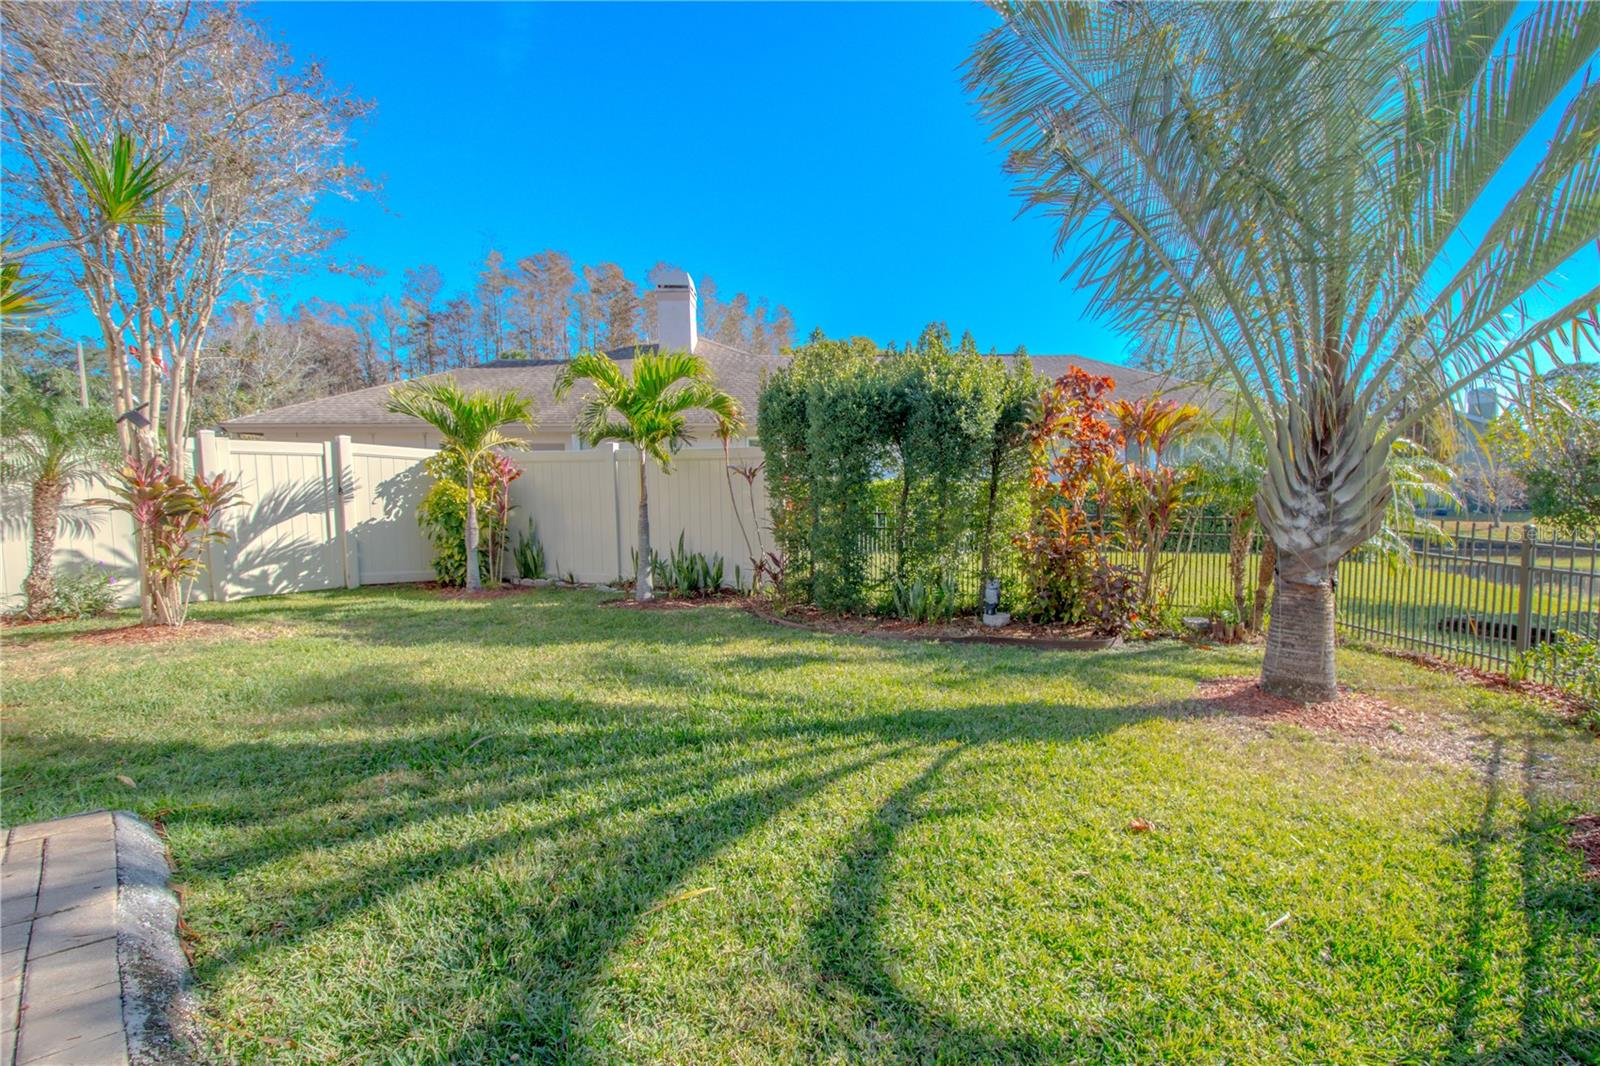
175,517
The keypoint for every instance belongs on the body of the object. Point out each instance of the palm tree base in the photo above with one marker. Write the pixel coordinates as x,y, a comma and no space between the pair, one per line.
1300,640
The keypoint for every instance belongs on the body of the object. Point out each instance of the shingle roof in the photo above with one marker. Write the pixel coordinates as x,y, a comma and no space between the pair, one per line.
739,372
1132,383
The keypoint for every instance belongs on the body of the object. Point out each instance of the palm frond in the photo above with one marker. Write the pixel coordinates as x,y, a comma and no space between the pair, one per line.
595,367
121,185
19,294
646,410
468,423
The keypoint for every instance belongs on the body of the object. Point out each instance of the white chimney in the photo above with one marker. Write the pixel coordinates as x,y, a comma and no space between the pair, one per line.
677,310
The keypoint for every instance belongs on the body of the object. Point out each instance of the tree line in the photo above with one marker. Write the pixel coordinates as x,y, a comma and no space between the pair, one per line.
260,355
542,306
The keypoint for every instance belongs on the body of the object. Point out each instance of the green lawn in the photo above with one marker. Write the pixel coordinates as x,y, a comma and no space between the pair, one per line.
412,829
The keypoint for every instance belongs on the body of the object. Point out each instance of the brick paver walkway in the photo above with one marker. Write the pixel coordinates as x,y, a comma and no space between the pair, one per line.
58,944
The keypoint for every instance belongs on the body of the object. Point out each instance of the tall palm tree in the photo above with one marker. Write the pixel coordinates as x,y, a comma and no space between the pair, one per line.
1349,208
647,411
469,425
50,443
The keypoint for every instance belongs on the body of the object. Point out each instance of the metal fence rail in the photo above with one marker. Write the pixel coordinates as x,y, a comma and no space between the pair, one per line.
1479,597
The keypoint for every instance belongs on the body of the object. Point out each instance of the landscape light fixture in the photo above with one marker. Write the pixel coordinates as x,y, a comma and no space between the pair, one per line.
991,596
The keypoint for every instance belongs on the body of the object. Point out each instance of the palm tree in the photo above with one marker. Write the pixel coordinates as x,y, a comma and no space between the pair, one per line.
646,411
1232,466
1310,185
469,425
50,443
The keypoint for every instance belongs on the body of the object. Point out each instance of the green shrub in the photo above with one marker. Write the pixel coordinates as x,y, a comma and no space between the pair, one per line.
1571,663
443,517
82,594
930,435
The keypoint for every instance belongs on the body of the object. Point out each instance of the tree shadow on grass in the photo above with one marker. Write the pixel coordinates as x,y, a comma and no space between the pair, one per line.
617,803
1559,910
540,829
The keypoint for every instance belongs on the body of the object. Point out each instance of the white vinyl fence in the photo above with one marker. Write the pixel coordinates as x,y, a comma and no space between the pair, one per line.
326,515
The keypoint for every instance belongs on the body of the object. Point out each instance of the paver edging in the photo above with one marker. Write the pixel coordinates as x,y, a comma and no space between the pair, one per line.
157,1000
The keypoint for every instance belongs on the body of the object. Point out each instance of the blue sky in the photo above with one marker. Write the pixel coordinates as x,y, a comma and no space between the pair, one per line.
821,155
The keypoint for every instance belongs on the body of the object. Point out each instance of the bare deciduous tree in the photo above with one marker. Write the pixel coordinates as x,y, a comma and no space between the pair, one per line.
249,140
544,286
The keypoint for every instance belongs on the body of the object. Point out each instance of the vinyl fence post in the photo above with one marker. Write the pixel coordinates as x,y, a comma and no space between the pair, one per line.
208,462
1525,590
344,503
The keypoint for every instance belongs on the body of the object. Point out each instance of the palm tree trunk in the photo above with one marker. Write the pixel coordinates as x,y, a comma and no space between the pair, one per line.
1269,563
40,585
1299,660
473,584
1238,554
643,592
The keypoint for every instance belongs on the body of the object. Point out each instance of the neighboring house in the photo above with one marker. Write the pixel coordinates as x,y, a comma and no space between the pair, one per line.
363,415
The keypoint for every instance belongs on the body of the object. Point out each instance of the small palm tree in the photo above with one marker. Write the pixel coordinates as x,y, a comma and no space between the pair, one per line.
50,443
646,411
469,424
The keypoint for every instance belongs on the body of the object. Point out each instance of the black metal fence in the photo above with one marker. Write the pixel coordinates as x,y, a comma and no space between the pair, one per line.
1480,596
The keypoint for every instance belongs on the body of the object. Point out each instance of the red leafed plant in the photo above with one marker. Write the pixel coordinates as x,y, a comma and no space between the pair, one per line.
175,517
502,472
1144,494
1069,439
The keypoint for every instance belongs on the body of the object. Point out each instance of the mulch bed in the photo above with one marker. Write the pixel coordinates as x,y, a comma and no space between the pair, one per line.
958,630
1350,715
1586,839
676,603
1565,702
1350,712
153,634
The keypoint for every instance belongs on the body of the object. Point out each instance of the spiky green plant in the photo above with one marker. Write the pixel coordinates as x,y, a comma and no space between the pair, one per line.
647,410
470,426
1347,207
120,184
